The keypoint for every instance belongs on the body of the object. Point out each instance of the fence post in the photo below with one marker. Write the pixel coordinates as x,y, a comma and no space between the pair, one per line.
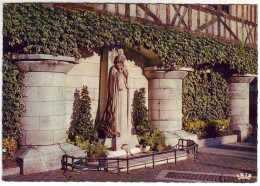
127,165
72,163
153,160
118,170
194,152
81,162
66,166
175,156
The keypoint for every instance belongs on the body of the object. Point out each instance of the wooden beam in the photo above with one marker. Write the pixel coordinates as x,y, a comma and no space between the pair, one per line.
230,31
229,22
247,12
116,9
181,18
219,30
206,20
227,16
149,12
198,19
212,21
127,10
251,12
177,12
249,33
189,17
236,21
167,14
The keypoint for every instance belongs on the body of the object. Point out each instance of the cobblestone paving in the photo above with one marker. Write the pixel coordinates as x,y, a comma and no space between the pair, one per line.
207,163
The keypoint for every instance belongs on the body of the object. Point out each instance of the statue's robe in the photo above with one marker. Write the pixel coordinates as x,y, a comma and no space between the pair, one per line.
114,121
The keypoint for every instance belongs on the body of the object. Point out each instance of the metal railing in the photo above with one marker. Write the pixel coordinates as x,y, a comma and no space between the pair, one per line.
82,162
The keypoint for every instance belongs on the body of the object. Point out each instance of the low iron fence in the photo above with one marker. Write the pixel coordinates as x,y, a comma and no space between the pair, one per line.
102,162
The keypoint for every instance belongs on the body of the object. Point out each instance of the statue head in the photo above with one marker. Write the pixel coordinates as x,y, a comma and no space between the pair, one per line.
119,61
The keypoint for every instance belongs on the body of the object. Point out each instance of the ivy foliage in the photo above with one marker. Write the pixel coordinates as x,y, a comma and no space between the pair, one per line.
48,29
12,99
205,97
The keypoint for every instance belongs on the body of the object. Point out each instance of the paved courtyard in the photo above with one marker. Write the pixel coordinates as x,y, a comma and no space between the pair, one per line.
230,159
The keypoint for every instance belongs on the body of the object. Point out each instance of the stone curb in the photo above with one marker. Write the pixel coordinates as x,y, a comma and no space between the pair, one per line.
11,171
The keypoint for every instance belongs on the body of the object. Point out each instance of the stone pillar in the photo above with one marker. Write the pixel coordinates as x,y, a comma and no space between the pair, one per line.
44,124
165,98
239,105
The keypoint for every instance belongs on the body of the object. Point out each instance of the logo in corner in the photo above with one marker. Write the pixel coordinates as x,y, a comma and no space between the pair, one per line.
243,176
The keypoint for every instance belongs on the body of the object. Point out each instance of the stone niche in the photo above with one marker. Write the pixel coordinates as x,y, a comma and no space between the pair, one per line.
43,126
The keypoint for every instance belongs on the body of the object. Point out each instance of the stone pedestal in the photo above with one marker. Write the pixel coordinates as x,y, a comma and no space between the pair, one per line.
239,105
165,101
43,125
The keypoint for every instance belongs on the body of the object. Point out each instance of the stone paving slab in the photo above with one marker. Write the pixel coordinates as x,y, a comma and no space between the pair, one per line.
221,163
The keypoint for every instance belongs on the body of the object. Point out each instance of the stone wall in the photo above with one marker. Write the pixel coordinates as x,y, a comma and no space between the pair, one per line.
137,80
85,73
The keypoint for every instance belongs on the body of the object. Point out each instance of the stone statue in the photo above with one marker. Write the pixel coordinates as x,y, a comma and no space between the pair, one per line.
115,118
116,123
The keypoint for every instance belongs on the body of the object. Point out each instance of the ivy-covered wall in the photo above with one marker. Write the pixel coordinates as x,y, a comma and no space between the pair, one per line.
205,97
47,29
12,99
42,28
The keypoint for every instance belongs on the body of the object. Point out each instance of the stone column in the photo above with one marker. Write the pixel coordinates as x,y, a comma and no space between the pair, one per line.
239,105
44,124
165,98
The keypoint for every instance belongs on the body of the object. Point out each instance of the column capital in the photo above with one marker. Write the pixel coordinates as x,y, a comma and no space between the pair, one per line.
247,78
161,73
44,63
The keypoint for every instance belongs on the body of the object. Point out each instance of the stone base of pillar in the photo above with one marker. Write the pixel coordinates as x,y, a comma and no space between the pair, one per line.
171,138
245,131
35,159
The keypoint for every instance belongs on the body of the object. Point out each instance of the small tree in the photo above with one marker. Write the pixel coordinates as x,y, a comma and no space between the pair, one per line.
140,113
83,129
147,135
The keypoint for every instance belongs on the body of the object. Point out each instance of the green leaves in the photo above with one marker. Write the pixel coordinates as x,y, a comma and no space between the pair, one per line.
12,99
83,127
42,28
205,97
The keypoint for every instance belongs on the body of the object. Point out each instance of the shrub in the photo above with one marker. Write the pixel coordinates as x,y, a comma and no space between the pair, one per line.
147,135
92,149
82,133
9,146
207,129
140,113
83,128
197,127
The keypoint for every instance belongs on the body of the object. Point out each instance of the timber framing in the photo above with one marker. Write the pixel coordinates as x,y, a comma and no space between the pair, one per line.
228,24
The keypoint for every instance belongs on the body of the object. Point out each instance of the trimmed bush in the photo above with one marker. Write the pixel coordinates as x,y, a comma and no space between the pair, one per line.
147,135
207,129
